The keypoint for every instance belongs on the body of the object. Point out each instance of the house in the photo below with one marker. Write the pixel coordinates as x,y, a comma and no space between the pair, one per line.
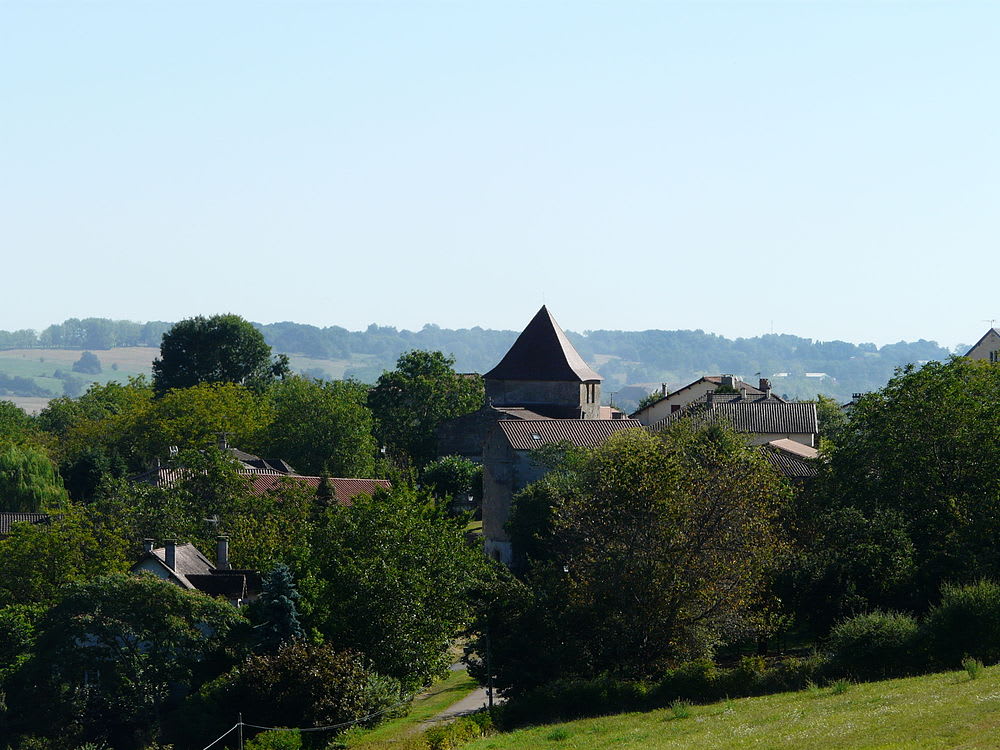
670,403
509,466
988,347
761,419
184,565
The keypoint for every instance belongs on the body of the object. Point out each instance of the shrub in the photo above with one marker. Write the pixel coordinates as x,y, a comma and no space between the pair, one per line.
572,699
276,740
458,732
680,709
974,667
876,645
965,623
693,680
839,687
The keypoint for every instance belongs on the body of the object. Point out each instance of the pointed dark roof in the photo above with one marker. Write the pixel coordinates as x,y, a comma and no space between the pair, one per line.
542,352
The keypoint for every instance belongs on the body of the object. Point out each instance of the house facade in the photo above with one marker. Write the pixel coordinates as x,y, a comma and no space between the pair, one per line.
988,347
670,403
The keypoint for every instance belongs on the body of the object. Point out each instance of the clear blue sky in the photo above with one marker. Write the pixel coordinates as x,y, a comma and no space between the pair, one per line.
828,169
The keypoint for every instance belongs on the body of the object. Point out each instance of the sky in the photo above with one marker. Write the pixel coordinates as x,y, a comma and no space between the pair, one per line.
826,169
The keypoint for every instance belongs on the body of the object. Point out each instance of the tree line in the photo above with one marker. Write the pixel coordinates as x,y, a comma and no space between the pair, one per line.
651,356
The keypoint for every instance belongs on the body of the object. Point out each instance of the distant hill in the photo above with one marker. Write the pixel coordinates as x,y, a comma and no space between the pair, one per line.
38,365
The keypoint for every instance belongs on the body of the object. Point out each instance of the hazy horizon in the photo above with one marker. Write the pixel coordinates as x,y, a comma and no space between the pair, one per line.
824,169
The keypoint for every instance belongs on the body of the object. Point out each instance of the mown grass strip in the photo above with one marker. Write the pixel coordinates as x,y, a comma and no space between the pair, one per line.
441,694
932,712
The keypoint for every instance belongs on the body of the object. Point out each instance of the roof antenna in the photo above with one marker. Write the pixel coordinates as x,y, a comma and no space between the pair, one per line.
991,321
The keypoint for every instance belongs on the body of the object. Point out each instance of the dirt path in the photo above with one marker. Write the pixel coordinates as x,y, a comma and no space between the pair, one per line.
471,703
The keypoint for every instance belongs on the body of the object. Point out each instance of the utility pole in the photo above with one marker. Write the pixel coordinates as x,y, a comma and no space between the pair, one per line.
239,721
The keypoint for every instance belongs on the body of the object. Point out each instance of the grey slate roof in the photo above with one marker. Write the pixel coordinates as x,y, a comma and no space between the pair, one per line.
773,417
8,518
542,352
529,434
791,459
193,571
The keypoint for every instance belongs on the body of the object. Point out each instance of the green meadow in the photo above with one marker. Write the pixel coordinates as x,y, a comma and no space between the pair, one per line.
944,710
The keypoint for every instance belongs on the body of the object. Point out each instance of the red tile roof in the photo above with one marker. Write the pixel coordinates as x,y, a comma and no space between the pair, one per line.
345,489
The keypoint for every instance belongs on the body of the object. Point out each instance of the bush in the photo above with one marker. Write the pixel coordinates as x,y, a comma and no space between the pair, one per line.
965,623
276,740
692,682
875,646
456,733
574,698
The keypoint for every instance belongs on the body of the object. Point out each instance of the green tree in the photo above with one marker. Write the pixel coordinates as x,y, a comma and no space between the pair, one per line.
37,560
196,418
451,477
395,578
275,613
218,349
319,425
29,481
113,653
15,424
916,457
653,551
301,684
410,402
88,364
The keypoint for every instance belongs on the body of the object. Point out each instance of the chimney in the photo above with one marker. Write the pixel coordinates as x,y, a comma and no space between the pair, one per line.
170,552
222,552
710,398
147,545
743,393
663,389
765,386
729,381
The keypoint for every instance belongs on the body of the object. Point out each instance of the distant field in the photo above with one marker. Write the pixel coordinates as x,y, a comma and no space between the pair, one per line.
933,712
41,364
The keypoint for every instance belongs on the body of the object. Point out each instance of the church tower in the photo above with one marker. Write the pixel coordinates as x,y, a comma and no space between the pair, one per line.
543,372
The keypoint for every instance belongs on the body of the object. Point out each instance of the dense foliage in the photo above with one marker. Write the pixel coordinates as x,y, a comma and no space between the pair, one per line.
218,349
649,550
411,401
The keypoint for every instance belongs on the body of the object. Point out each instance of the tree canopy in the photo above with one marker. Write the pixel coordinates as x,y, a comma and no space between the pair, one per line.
218,349
649,550
410,402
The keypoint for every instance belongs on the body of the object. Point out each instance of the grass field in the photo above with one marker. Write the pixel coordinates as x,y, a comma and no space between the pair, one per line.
122,363
946,710
443,693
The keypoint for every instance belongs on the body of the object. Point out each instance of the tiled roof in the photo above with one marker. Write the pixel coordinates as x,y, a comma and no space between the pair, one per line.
6,519
188,560
528,434
542,352
773,417
520,412
345,489
790,458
